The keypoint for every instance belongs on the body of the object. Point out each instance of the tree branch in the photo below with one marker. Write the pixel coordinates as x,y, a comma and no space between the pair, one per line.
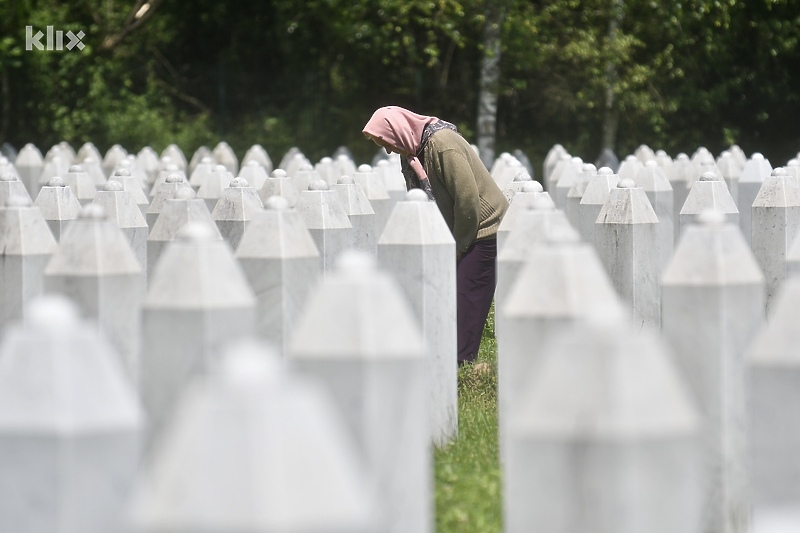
131,24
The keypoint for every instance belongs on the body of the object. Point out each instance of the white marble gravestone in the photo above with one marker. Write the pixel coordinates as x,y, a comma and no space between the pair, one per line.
682,176
163,192
236,208
712,307
255,448
197,300
81,184
147,159
113,156
176,156
775,221
175,213
282,265
120,207
200,173
655,183
755,171
576,192
254,173
530,194
26,244
708,192
10,185
70,425
569,174
258,154
135,186
773,365
95,266
375,190
730,171
417,248
606,439
532,313
279,184
29,164
393,180
592,201
627,241
326,219
216,181
224,155
360,212
360,337
58,205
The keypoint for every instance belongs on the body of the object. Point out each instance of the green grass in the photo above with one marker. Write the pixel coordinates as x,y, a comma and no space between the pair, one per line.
468,483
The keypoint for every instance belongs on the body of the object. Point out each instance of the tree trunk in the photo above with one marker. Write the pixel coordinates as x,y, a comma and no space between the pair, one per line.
611,113
489,83
5,98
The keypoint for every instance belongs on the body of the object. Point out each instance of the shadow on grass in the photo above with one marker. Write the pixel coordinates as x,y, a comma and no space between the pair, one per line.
468,484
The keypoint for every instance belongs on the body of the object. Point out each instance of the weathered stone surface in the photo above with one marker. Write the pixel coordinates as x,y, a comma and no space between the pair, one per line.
626,239
325,217
176,156
304,176
237,207
564,180
712,306
254,448
360,337
147,159
58,205
70,425
630,167
417,248
709,192
775,224
96,268
606,439
198,300
393,179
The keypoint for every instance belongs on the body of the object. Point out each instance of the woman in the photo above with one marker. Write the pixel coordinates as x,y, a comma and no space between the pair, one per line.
442,163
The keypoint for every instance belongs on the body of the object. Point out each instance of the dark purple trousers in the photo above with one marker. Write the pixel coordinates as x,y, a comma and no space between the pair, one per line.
475,280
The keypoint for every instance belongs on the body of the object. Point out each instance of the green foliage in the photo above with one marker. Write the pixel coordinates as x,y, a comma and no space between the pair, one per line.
468,481
282,73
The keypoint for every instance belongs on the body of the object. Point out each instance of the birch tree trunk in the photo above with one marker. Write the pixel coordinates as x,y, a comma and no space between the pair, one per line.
611,113
489,82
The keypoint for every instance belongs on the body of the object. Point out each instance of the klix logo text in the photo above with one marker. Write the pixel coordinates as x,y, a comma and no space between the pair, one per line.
54,41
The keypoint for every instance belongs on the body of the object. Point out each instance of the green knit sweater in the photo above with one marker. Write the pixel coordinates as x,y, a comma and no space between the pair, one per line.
470,201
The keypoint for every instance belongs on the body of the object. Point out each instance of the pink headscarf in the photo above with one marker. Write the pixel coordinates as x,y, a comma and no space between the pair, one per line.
402,129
